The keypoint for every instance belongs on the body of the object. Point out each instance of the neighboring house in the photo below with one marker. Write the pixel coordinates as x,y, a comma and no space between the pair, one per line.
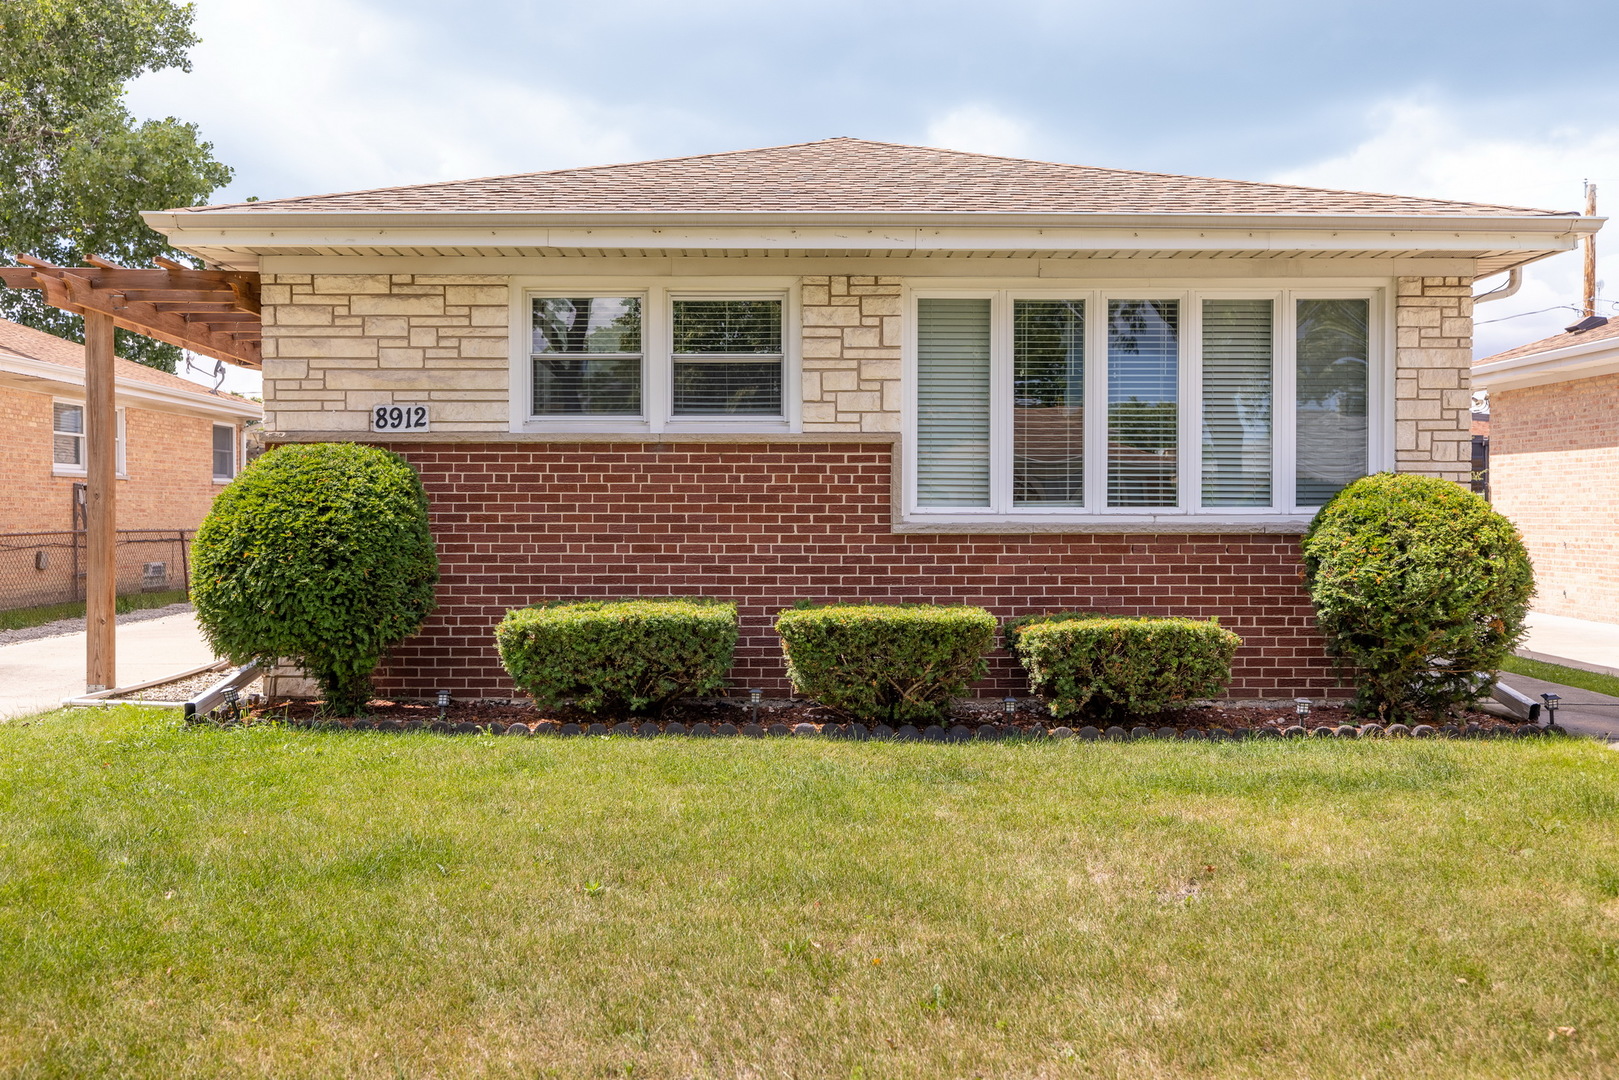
1554,462
178,443
848,370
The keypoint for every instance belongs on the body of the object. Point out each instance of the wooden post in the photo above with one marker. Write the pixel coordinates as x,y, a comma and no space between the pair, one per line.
101,523
1590,254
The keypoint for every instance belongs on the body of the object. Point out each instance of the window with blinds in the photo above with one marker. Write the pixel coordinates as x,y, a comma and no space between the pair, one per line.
1332,358
67,435
727,357
1143,376
952,402
1048,403
224,451
587,356
1237,402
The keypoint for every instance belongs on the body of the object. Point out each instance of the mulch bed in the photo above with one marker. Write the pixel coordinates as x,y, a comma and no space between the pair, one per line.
967,720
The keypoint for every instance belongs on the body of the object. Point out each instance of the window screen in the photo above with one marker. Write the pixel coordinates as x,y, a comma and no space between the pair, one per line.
224,451
1048,402
67,440
1331,396
727,357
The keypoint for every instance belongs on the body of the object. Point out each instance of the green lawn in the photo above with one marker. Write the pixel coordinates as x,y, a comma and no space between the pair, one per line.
1567,676
22,618
268,902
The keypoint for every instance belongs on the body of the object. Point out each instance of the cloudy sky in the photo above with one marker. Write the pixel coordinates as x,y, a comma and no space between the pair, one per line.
1491,101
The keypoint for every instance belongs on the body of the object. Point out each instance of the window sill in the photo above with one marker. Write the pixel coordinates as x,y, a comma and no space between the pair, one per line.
80,474
1287,524
761,426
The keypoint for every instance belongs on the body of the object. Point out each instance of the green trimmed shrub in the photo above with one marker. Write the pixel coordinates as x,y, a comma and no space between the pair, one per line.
319,554
896,663
1420,587
1113,667
619,656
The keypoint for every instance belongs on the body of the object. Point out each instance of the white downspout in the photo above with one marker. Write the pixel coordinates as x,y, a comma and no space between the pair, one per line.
1501,292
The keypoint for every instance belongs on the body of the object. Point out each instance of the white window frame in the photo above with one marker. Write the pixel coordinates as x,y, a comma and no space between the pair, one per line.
235,449
119,443
657,353
1283,511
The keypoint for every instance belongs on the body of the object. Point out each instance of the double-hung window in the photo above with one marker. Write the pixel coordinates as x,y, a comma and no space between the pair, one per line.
68,439
1110,405
659,358
224,452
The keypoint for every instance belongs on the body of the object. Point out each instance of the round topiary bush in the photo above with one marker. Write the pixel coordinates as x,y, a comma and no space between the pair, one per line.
319,554
1420,586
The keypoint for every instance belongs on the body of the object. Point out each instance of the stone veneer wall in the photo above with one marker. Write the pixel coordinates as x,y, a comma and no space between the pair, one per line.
338,345
1433,356
851,353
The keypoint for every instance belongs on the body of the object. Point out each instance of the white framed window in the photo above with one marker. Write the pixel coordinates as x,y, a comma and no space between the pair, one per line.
1142,404
225,453
656,355
69,440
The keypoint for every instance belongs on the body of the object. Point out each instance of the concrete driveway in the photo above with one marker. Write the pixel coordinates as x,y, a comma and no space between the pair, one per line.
36,675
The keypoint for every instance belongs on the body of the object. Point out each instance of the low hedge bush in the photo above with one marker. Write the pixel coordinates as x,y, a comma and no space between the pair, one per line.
319,554
619,656
1420,588
1113,667
894,663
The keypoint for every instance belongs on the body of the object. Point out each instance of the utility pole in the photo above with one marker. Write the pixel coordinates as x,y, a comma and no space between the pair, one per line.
1590,253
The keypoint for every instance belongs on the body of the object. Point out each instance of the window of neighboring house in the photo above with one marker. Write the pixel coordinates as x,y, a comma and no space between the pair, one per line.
658,358
1109,406
68,439
224,451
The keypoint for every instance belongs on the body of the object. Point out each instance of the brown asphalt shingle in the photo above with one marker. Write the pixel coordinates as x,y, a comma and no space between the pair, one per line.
1609,332
857,176
50,349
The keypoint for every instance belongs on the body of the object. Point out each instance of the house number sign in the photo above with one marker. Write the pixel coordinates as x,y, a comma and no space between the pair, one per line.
399,418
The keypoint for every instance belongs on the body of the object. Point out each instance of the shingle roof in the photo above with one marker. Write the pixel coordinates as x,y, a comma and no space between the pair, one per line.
846,175
50,349
1609,332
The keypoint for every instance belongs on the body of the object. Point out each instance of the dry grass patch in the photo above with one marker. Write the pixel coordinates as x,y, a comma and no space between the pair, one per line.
275,902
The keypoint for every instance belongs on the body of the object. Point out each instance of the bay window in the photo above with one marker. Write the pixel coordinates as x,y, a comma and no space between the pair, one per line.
1102,405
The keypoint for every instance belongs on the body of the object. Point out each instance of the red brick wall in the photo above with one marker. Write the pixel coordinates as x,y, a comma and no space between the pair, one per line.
769,524
1554,470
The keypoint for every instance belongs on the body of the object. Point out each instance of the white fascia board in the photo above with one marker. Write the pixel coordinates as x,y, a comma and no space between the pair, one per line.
267,233
1584,360
129,391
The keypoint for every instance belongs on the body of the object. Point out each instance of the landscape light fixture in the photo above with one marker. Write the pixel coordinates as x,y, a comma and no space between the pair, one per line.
443,702
755,698
231,698
1551,701
1301,706
1009,707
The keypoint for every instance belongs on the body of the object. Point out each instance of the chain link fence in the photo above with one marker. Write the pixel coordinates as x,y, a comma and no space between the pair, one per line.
49,567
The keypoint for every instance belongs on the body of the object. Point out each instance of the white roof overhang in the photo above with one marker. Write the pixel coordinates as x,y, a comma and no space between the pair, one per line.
1581,360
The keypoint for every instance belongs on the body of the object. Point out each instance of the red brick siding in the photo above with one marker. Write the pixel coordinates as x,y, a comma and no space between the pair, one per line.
769,524
1554,470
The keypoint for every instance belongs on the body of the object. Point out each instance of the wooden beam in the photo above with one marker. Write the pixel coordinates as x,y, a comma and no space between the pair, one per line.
145,319
101,522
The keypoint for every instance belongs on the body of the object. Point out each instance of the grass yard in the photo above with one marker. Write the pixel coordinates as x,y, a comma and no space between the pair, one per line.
1567,676
266,902
23,618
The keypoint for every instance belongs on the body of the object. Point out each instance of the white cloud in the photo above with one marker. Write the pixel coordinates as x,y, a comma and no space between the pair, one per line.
980,129
307,96
1423,148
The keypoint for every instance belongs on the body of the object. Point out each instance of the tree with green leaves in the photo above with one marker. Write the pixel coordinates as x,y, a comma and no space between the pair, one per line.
76,168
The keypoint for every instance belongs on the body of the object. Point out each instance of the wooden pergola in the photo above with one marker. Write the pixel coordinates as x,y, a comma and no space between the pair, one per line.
211,312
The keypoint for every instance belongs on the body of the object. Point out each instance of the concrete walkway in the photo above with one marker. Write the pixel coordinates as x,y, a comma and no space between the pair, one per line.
1578,643
36,675
1581,712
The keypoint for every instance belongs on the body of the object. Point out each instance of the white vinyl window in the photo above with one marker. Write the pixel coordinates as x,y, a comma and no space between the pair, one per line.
68,439
1107,405
656,358
224,452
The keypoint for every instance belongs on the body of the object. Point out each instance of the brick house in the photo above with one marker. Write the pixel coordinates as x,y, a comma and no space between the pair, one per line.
177,444
1554,462
855,370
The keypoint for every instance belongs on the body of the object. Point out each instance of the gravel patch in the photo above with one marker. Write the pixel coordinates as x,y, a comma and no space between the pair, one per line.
186,689
74,626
